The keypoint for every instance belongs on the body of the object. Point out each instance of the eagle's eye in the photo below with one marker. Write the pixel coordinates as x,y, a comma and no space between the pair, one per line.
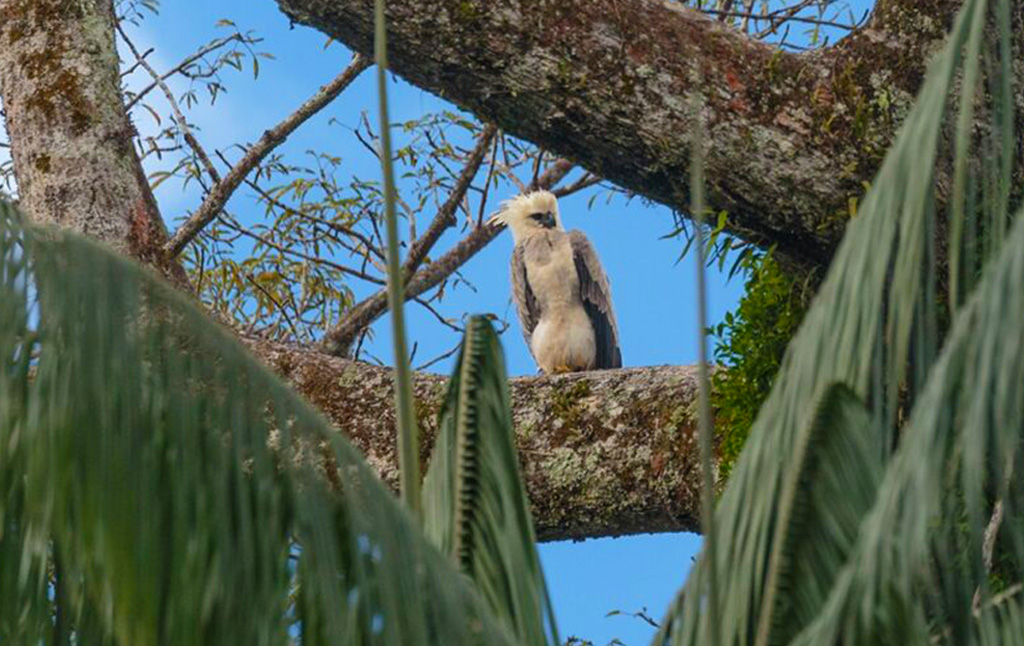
537,216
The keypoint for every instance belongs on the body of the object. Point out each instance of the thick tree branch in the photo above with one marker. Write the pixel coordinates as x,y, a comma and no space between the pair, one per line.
607,83
603,453
223,189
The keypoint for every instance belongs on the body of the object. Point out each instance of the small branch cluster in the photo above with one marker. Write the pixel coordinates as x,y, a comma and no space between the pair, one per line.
290,271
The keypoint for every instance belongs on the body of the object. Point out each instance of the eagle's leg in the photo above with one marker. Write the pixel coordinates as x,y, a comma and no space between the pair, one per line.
561,369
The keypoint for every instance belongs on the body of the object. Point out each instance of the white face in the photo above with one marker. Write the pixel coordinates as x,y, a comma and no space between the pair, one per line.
529,214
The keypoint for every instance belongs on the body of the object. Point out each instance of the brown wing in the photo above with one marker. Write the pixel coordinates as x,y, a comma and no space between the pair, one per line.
526,303
596,293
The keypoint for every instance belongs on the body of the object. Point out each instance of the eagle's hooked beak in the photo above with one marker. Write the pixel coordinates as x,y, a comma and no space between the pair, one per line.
546,220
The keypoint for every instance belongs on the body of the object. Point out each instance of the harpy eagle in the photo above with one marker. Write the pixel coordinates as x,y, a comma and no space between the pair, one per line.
562,295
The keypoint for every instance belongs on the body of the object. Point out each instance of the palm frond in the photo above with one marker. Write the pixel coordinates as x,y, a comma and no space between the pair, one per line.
840,458
179,487
961,444
874,328
475,506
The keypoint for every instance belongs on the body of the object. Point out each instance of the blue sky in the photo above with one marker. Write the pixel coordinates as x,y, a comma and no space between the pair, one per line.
653,293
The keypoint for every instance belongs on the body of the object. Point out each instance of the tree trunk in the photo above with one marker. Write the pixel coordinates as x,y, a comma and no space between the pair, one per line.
610,84
604,453
71,140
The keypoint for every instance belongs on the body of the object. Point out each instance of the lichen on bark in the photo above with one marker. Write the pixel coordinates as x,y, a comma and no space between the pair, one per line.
602,453
71,140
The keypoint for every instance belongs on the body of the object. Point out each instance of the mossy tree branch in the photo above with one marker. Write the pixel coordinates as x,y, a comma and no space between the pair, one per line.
607,83
603,453
71,140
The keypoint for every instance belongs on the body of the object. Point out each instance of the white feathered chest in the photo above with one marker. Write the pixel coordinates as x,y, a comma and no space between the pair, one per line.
564,337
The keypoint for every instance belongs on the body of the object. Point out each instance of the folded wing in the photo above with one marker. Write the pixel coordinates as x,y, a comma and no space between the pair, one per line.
596,293
526,303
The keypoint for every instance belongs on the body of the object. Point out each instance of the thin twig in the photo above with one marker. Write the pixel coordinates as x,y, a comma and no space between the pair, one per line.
339,339
211,47
438,358
223,190
273,300
586,181
134,67
778,22
440,319
299,254
487,183
340,228
186,131
445,216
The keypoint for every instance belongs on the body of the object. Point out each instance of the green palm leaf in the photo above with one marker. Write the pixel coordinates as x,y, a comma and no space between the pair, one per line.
962,439
475,505
183,486
839,459
877,302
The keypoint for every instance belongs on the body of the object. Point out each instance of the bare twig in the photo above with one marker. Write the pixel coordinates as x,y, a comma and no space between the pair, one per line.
445,216
211,47
439,358
437,315
641,614
339,339
776,22
586,181
222,191
487,184
134,67
186,132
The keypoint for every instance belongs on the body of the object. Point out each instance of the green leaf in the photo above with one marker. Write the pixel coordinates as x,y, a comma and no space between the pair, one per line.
831,484
475,505
190,494
876,304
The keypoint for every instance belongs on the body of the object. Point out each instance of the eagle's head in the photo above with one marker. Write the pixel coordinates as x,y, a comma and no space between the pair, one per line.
529,213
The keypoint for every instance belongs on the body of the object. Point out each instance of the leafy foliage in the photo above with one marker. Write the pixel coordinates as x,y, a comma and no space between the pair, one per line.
167,489
476,509
946,413
750,342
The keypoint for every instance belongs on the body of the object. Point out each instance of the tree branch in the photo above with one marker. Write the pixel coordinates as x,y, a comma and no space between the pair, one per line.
203,51
223,189
186,131
603,453
607,83
71,140
339,340
445,216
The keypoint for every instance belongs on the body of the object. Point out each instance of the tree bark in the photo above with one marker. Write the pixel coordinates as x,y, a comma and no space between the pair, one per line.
71,139
790,138
603,453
